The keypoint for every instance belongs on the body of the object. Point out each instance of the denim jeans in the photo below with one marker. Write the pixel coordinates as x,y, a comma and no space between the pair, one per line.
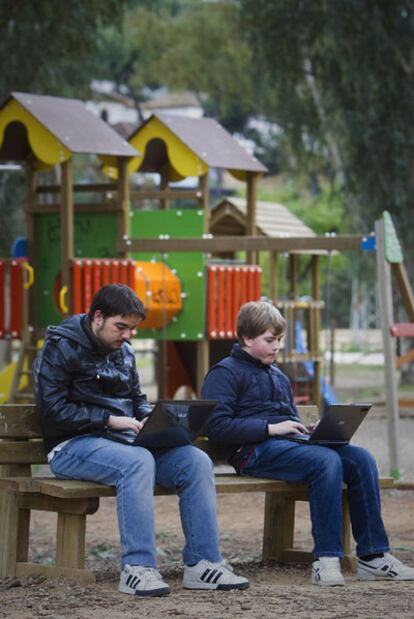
134,471
324,469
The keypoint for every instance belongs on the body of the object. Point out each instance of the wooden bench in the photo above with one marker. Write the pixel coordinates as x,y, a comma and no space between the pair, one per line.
21,447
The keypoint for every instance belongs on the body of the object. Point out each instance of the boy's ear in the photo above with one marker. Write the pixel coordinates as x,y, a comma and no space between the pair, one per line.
245,341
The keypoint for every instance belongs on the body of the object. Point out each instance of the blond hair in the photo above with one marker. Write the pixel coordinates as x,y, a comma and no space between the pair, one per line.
256,317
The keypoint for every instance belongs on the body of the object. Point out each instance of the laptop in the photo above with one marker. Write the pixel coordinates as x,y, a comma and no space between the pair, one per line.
336,427
171,423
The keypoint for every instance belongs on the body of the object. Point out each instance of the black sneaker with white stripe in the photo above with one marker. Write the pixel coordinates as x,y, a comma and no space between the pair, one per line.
208,575
144,581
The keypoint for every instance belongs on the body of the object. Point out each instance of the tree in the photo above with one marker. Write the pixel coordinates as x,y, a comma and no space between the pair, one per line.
338,78
50,47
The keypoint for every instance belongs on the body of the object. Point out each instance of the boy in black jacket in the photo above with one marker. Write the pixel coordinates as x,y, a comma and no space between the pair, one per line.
252,421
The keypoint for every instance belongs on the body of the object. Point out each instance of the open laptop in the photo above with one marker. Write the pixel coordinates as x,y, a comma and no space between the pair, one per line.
336,427
171,423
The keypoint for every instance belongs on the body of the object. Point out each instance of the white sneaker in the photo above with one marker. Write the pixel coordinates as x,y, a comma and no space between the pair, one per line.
384,568
140,580
208,575
326,572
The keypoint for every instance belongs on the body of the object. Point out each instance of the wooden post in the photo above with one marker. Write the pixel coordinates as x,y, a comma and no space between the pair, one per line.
164,202
251,228
123,198
203,363
315,324
387,319
30,233
66,227
203,200
273,275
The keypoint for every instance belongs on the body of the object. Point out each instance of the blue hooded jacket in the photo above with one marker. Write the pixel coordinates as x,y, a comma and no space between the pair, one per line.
250,395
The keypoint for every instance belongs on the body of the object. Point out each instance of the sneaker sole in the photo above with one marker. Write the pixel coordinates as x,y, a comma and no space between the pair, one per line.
367,576
206,586
334,583
151,593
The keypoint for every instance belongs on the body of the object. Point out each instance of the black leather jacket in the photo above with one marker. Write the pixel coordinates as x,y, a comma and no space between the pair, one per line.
78,384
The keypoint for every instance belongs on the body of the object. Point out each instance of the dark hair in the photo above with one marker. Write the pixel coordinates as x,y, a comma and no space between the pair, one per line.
115,299
256,317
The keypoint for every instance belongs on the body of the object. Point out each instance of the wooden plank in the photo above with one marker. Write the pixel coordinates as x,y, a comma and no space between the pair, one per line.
406,402
84,207
46,503
405,358
242,243
166,194
19,421
279,524
22,452
83,576
387,319
400,273
74,489
79,188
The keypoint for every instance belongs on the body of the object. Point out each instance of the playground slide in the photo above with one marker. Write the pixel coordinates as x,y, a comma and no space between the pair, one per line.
328,394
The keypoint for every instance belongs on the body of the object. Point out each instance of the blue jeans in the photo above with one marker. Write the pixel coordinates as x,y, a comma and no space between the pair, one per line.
324,469
134,471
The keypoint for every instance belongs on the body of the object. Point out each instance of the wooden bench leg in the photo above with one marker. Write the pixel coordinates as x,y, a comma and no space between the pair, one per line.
279,521
70,537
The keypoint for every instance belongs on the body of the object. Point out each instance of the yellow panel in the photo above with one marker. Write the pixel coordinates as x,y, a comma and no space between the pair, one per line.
183,161
241,175
6,380
47,149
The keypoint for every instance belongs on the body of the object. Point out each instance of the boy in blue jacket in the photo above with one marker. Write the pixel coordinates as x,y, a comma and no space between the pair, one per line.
254,416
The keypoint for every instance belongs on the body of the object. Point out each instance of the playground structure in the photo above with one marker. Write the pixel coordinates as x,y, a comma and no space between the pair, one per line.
192,283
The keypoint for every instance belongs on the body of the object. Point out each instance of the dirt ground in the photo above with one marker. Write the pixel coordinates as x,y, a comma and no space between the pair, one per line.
276,591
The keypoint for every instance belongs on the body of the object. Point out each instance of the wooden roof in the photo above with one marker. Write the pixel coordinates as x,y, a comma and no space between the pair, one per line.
189,147
228,217
65,124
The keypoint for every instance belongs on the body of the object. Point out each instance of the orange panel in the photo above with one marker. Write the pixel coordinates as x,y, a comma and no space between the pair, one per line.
123,272
257,283
243,285
250,284
160,290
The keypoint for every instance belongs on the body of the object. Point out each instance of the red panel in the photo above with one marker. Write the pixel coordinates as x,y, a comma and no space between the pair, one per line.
105,272
250,284
131,274
257,283
211,296
123,272
114,271
96,275
402,329
77,287
220,302
243,285
235,276
16,294
87,285
228,303
2,298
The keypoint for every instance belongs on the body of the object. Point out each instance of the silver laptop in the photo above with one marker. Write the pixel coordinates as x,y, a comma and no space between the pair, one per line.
337,425
171,423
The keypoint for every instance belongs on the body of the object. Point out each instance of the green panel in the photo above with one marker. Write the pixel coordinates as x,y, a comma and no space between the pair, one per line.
392,247
95,237
189,267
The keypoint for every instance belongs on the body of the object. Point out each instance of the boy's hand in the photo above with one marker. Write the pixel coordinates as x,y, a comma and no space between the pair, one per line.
287,427
124,423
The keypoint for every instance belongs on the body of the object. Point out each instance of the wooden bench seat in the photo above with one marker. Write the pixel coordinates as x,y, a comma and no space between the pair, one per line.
21,447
